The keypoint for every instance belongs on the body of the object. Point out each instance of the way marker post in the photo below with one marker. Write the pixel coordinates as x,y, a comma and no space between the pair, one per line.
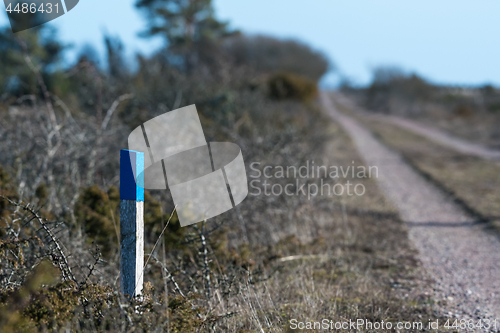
131,222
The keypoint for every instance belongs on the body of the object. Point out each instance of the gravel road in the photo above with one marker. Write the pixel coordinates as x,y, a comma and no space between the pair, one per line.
433,134
462,258
445,139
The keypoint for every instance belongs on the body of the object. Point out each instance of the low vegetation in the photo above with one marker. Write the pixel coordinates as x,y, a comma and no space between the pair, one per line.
338,258
273,259
287,85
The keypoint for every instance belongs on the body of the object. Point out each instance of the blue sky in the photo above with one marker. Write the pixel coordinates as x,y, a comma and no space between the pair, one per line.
446,41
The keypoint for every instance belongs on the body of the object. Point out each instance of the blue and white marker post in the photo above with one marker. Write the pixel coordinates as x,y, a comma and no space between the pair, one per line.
131,222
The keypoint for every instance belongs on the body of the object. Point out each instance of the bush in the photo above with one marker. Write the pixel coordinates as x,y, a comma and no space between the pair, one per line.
292,86
7,189
267,54
96,212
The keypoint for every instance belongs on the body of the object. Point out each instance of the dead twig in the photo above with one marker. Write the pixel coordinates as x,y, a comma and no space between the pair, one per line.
112,109
169,276
59,258
204,252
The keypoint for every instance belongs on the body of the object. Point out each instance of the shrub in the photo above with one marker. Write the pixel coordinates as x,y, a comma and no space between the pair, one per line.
494,107
7,190
267,55
464,111
96,212
154,221
17,307
291,86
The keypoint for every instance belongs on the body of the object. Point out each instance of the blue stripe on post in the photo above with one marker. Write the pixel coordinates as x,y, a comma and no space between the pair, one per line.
130,161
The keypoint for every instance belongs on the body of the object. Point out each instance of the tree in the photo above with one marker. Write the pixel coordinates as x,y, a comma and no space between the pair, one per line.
182,22
45,51
116,61
190,30
267,55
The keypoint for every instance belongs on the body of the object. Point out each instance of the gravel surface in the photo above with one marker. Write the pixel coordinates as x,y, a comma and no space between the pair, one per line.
462,258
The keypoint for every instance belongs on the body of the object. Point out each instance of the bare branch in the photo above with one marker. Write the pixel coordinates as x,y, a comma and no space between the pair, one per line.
112,109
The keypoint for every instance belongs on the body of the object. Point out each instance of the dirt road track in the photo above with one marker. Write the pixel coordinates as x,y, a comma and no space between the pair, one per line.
433,134
462,258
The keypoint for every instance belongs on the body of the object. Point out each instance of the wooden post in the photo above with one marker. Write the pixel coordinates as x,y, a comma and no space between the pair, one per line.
131,222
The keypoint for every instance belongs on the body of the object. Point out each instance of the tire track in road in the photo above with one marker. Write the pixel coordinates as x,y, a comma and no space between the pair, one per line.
436,135
462,258
445,139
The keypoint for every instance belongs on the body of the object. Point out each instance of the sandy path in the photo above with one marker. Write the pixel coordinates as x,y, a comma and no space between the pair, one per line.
463,259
